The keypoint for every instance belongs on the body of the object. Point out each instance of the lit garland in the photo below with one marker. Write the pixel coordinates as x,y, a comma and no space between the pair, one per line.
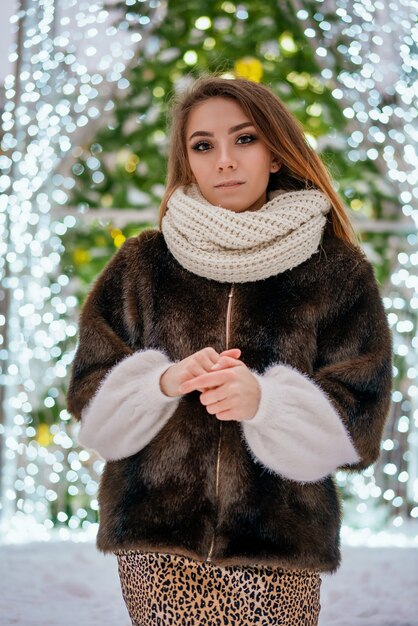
377,82
45,476
51,97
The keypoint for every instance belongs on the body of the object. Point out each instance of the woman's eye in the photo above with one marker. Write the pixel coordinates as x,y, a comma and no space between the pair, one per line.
246,138
202,146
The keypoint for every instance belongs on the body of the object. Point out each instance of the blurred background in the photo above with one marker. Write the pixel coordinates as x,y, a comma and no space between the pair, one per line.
83,101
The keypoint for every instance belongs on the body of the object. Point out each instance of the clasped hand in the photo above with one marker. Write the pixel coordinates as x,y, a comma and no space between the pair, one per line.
228,389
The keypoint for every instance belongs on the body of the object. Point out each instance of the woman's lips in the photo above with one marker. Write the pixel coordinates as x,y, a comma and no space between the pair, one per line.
231,185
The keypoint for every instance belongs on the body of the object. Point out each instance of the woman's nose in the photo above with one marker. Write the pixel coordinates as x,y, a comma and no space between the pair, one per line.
226,161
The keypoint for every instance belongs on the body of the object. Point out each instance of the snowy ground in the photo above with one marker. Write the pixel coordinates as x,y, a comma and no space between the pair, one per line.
63,583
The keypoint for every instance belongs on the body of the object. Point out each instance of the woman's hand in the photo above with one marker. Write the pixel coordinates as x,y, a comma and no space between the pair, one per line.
189,368
231,390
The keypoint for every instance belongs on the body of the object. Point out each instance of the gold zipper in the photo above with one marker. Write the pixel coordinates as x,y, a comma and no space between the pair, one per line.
218,461
209,558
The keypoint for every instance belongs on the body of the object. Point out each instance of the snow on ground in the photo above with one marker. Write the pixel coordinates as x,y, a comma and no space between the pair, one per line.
67,583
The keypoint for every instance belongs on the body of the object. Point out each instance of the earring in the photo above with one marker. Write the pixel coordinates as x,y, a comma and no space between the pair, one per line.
275,167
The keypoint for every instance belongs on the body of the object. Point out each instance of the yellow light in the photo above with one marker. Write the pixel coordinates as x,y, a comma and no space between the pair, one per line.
118,240
115,232
203,23
130,165
287,43
356,204
158,92
315,85
314,109
190,57
209,43
44,436
301,80
81,256
250,68
228,7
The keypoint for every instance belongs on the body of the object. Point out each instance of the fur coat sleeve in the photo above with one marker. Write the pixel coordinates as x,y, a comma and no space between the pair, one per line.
114,388
308,426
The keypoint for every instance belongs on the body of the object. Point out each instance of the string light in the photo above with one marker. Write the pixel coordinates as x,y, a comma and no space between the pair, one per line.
379,106
51,97
64,85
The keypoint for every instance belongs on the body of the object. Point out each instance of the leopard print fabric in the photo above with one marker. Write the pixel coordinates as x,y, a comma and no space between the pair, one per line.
162,589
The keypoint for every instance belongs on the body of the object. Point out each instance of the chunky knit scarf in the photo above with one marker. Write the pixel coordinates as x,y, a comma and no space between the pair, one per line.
226,246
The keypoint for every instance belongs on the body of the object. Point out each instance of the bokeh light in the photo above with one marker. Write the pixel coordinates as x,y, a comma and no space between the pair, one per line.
63,87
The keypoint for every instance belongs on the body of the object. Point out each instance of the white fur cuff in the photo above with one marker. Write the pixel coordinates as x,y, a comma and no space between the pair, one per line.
296,431
129,408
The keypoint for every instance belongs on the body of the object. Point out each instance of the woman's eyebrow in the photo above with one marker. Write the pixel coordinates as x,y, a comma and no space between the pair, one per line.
233,129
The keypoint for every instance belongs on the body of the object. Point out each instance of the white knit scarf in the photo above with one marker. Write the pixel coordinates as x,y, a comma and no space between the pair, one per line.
228,246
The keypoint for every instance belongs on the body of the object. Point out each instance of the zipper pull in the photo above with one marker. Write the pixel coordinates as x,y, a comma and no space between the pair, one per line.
228,316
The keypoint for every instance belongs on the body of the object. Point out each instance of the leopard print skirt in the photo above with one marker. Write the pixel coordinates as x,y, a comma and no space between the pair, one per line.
161,589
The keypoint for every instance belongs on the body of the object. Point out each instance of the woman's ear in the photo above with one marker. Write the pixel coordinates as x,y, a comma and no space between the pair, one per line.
275,166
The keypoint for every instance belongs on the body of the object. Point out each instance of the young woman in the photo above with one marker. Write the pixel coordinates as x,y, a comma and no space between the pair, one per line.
228,363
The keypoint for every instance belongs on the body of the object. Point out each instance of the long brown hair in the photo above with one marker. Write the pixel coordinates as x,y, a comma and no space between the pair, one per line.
301,167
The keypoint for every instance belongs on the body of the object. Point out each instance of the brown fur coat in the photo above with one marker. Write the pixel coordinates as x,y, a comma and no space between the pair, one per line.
325,318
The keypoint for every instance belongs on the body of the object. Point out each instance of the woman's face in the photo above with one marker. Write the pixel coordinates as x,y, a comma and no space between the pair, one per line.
230,163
